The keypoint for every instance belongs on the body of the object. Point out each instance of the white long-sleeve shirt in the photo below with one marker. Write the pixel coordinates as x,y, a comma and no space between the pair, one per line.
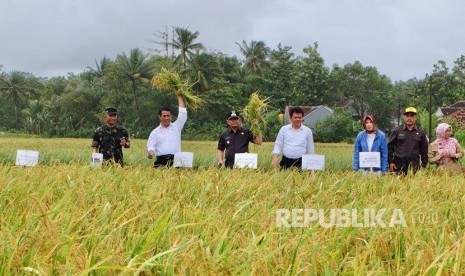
167,140
293,143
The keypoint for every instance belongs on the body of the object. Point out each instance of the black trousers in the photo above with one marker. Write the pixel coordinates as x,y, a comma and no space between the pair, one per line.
229,162
405,164
287,163
164,161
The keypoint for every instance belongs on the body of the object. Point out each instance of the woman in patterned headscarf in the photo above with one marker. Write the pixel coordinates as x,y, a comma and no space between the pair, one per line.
445,151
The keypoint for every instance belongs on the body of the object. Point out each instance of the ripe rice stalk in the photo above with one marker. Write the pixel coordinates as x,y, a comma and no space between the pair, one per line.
171,82
255,111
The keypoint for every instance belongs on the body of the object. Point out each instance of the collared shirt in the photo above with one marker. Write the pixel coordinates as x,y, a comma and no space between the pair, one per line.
107,140
409,144
234,142
167,140
293,143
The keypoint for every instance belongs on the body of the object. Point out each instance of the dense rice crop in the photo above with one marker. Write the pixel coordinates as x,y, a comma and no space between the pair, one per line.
62,217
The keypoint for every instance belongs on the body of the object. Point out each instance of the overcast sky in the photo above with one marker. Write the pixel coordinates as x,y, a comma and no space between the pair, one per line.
402,38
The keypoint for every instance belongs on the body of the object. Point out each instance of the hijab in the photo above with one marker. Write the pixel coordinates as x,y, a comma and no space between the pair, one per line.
445,144
372,119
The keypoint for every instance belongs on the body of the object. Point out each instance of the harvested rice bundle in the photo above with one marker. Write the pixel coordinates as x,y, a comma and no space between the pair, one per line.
255,112
171,82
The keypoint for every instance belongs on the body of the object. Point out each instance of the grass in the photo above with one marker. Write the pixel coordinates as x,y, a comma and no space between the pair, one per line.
62,217
78,151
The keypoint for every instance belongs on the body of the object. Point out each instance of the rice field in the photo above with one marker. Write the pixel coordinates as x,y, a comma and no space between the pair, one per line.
64,218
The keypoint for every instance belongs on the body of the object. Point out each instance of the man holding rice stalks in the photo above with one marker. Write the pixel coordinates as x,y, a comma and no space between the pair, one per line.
293,141
235,139
165,140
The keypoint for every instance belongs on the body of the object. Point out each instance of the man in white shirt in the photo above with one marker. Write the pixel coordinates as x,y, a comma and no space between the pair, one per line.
293,141
165,140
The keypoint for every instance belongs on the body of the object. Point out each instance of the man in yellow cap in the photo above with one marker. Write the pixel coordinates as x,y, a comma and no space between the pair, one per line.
407,145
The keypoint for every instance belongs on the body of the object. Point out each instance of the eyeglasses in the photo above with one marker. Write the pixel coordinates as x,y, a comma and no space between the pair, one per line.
410,115
234,119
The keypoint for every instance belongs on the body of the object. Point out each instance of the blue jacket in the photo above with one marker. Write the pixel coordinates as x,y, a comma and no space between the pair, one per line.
379,145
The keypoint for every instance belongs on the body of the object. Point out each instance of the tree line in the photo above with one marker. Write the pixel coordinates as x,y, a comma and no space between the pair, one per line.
72,105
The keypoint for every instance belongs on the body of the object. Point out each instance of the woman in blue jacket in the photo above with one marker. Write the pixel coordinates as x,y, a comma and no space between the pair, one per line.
371,139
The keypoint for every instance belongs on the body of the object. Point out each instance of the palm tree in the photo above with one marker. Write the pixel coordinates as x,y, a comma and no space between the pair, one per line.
137,69
203,68
184,42
99,67
255,54
16,85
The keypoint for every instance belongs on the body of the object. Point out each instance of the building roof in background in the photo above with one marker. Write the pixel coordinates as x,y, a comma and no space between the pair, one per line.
455,112
459,104
446,111
309,109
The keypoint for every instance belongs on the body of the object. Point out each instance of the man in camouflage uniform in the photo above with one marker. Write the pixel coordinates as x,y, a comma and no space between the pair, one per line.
110,138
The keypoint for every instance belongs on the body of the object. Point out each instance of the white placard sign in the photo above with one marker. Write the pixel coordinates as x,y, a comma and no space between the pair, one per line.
245,160
97,158
28,158
183,160
313,162
369,160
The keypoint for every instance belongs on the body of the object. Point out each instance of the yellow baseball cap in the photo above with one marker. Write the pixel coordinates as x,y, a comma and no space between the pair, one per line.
410,109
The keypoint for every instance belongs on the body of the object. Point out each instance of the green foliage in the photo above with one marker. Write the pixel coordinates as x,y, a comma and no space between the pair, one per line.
255,54
371,92
273,124
279,79
73,105
184,43
311,79
423,122
136,68
208,131
459,135
203,69
337,128
18,86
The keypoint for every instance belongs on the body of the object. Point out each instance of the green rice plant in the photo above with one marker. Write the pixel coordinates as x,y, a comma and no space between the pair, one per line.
170,81
64,218
254,114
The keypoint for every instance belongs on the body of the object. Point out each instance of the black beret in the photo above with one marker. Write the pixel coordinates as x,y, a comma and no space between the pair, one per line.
111,110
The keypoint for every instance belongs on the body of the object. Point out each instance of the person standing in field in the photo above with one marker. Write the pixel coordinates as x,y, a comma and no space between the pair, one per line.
445,151
235,139
110,138
371,139
408,145
165,140
293,141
